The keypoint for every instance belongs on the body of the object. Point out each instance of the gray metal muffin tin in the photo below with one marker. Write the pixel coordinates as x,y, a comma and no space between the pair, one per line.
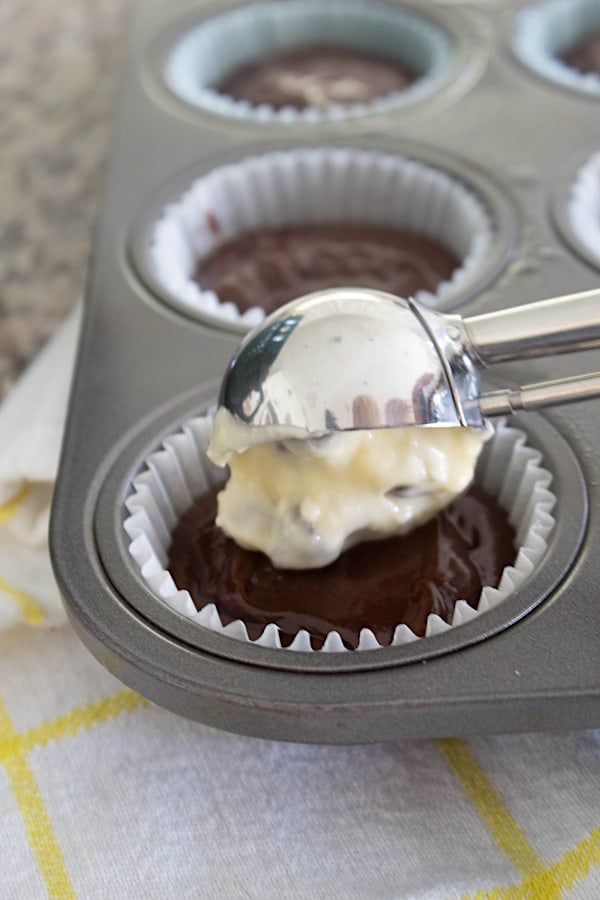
144,366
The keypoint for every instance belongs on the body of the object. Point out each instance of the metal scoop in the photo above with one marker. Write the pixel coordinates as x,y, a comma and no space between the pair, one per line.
351,358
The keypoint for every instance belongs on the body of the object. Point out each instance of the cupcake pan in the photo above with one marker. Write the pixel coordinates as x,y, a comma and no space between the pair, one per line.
147,364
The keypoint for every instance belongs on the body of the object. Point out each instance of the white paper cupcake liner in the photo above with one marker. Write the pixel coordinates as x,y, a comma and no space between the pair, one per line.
211,51
583,208
316,186
178,472
545,31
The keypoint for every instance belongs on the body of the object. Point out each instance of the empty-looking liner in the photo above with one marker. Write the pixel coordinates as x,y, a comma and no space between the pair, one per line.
205,56
178,472
316,186
556,40
583,208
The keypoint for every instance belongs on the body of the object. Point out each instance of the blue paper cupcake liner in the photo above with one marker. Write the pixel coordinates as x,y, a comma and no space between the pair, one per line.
213,50
546,31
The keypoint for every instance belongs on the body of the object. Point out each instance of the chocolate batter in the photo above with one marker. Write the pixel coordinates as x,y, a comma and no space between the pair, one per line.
375,585
585,56
316,76
269,267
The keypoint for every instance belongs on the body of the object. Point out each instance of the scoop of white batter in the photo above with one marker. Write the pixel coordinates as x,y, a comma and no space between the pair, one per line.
303,501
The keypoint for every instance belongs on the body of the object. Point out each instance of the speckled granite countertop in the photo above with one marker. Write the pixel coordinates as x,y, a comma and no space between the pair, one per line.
59,64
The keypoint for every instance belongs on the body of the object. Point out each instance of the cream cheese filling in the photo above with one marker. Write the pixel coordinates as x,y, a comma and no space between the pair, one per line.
303,502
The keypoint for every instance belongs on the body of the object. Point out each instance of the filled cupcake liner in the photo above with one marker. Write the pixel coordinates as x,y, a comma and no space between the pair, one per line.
211,51
330,185
545,31
179,471
583,208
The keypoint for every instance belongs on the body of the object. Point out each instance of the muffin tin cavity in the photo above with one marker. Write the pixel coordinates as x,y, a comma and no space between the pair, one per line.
549,36
533,475
320,186
205,56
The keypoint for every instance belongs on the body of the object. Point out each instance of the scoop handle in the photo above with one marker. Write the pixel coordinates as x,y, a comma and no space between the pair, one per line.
539,396
560,325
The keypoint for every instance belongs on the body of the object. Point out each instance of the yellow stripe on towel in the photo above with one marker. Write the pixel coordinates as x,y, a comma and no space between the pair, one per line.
505,831
33,613
35,816
81,719
14,748
9,509
557,879
574,866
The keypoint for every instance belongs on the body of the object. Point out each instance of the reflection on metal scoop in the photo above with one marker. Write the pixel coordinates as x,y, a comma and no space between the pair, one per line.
351,358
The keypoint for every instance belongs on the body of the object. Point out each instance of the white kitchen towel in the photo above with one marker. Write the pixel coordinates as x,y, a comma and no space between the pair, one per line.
103,795
31,426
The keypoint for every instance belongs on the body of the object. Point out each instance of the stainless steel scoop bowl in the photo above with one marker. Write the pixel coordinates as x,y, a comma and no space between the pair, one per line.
351,358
